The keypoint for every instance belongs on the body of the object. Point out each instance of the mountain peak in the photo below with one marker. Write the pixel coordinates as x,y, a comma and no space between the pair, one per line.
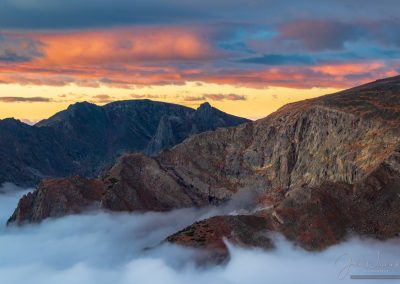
205,105
378,100
88,137
11,121
80,105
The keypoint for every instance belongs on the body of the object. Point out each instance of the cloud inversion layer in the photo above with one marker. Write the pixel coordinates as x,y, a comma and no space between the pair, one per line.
107,248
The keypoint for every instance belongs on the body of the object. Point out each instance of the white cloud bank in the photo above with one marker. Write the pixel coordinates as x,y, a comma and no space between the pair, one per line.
108,248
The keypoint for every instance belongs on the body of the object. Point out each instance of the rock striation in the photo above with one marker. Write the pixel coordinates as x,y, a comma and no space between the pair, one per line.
319,169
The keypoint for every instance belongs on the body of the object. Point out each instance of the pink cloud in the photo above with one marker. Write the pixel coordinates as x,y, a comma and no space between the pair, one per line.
127,45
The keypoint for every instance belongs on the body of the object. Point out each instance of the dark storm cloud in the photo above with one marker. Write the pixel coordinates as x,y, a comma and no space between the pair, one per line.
319,35
54,14
281,59
263,28
257,43
14,49
385,32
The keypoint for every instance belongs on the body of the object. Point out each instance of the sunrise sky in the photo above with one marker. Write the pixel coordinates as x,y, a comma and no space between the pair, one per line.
246,57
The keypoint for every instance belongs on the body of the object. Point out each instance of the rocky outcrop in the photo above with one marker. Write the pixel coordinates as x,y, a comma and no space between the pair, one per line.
86,138
138,183
58,197
212,234
319,169
317,217
135,183
321,216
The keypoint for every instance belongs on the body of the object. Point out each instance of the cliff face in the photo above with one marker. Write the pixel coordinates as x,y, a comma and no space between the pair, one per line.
312,217
291,150
58,197
319,168
327,167
86,138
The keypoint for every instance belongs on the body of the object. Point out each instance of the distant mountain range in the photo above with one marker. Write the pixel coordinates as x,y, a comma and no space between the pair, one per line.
316,169
85,138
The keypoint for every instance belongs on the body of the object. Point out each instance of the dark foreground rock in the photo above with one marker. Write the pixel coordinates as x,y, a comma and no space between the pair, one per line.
212,234
58,197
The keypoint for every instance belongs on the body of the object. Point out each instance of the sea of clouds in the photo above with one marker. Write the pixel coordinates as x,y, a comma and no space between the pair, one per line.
110,248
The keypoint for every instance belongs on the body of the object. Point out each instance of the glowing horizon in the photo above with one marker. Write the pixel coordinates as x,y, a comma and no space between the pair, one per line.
241,57
45,101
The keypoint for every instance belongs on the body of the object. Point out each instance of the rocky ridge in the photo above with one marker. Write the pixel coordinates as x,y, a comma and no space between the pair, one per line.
85,138
319,169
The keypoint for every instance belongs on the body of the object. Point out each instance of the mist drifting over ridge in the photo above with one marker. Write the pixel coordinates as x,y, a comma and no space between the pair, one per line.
100,247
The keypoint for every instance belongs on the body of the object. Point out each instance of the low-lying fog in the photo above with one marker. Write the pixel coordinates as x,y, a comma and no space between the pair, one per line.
108,248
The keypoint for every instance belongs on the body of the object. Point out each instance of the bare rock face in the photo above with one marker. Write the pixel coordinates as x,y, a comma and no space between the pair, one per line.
58,197
320,167
320,216
317,217
211,234
137,182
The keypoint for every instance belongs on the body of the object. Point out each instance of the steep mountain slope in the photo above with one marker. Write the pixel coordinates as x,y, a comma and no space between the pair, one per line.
317,169
86,138
313,217
27,152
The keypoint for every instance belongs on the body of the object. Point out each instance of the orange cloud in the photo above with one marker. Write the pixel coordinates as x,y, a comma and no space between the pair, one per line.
323,75
124,46
326,75
126,57
102,98
223,97
215,97
193,99
24,99
349,68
